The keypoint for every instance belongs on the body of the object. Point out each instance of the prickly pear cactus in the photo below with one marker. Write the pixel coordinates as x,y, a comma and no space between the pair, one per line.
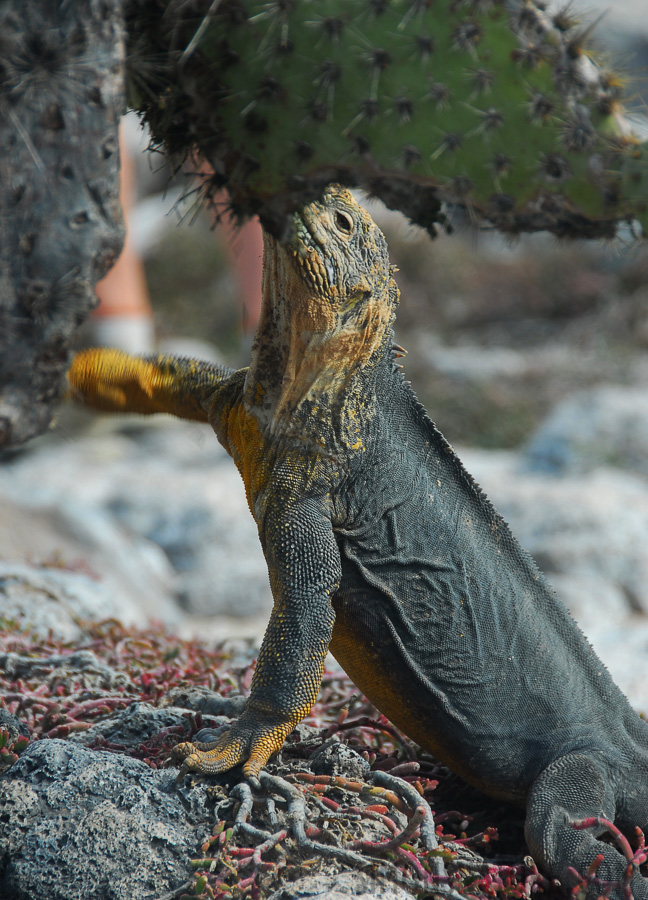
61,92
498,107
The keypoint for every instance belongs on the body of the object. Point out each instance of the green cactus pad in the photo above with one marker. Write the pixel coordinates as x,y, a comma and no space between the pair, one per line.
422,103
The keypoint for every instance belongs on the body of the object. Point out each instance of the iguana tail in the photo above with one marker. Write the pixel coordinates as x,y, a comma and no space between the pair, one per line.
113,381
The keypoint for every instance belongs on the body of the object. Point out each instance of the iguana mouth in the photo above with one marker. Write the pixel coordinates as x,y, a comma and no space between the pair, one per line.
302,237
312,262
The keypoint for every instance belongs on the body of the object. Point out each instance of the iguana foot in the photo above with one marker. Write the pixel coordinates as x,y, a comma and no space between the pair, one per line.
248,741
572,788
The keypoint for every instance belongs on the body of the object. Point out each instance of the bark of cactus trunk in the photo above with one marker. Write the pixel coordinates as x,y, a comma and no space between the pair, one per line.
61,94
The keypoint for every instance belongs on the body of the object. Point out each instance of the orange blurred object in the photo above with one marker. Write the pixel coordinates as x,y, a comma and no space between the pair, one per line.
124,317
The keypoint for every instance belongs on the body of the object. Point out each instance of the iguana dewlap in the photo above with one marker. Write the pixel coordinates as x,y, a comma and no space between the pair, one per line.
381,548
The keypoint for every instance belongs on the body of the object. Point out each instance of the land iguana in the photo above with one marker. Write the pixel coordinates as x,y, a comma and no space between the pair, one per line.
382,549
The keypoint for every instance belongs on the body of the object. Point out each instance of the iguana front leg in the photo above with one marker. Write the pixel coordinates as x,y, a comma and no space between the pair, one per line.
301,552
113,381
304,566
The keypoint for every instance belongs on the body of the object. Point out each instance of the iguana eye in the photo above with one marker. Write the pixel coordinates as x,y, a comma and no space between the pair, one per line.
343,222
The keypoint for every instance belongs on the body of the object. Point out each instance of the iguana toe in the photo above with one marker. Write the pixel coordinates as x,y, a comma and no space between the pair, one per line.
181,751
250,743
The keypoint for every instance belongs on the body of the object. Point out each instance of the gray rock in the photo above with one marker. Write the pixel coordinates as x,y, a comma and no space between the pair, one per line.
86,825
209,735
62,536
159,510
48,599
306,734
597,602
469,362
12,725
204,700
603,426
341,887
95,673
595,524
133,725
336,758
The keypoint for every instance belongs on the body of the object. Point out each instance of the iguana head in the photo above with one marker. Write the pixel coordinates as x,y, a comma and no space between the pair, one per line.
329,301
332,275
341,255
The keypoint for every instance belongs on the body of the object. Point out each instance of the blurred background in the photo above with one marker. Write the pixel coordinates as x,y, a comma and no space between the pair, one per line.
529,354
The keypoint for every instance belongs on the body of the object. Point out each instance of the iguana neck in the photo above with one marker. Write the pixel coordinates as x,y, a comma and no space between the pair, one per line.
302,364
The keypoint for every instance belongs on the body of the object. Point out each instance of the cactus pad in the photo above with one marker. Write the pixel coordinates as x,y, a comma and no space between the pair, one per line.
499,108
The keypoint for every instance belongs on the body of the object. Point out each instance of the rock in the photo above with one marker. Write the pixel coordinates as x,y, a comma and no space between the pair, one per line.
341,887
209,735
48,599
95,674
468,362
592,525
206,701
336,758
132,726
307,735
136,577
13,726
88,825
596,602
158,507
603,426
204,526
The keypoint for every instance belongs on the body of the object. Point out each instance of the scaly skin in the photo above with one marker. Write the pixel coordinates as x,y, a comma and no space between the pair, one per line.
381,548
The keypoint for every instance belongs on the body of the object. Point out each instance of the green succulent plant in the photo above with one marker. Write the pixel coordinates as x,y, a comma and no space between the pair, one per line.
497,107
